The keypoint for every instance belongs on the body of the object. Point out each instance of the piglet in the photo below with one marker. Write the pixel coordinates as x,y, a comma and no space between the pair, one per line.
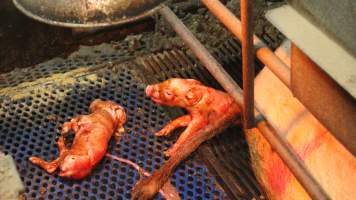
92,135
209,112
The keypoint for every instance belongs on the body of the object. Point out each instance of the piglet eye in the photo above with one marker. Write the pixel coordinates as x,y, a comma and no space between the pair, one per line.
168,95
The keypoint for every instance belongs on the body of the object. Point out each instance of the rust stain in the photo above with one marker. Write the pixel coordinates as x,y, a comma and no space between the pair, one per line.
279,175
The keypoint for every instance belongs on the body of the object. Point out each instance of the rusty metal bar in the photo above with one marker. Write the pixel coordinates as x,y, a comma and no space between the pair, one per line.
296,166
263,53
248,68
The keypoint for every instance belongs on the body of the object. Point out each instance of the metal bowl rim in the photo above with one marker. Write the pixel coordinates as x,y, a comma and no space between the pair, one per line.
87,25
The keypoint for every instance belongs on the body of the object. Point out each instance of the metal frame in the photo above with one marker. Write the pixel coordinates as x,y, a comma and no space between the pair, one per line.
333,83
248,63
277,66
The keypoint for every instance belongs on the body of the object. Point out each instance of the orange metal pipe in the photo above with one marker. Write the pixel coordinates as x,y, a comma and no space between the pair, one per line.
263,53
248,61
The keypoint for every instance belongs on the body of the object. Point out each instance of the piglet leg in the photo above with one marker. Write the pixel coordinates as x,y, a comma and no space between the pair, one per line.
52,166
79,125
179,122
72,125
61,145
147,188
119,133
187,134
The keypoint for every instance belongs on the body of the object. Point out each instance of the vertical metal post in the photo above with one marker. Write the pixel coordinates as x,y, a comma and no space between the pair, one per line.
248,67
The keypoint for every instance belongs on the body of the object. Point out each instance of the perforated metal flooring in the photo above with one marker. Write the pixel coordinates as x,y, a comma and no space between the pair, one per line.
64,88
30,122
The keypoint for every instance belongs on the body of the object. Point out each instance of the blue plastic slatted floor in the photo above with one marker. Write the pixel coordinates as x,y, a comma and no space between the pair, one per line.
29,126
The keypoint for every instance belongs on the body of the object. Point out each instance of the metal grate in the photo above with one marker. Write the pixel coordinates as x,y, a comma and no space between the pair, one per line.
29,125
45,70
87,57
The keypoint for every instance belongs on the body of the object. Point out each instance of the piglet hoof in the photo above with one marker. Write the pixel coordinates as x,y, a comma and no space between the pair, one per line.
145,189
168,153
49,167
161,133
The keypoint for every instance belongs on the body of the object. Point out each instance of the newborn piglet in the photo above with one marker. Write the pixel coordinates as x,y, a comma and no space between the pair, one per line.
209,112
92,135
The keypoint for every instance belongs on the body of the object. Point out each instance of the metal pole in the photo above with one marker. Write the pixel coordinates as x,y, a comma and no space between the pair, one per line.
296,166
263,53
248,61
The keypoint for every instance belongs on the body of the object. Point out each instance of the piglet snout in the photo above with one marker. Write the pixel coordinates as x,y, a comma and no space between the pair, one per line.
149,90
152,91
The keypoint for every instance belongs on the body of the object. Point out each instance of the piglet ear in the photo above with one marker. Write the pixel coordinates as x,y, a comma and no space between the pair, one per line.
193,96
193,81
120,113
